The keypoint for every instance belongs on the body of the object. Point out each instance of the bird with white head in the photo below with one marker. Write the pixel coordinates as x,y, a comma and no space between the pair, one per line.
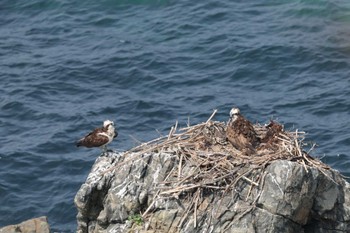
99,137
240,132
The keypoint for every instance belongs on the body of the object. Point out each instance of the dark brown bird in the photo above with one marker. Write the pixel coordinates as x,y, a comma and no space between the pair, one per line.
99,137
270,141
240,132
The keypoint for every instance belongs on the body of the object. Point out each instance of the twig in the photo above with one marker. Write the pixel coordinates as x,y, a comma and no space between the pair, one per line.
303,162
202,124
145,144
312,148
181,188
135,139
211,117
172,130
180,165
151,205
249,180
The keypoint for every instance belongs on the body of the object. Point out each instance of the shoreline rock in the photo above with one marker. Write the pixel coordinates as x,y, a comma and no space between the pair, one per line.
35,225
292,199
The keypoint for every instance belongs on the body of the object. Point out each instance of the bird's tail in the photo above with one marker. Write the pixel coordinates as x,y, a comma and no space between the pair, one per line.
78,143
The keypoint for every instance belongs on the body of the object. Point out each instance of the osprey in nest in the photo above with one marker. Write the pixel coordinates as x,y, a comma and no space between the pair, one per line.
270,140
99,137
240,133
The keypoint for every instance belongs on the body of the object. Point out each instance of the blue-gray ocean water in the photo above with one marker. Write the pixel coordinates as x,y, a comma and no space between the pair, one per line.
68,65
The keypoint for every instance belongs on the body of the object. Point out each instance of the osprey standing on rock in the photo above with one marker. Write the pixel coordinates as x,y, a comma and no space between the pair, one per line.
100,137
240,132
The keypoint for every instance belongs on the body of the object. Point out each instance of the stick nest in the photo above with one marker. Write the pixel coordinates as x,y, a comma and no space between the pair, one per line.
206,161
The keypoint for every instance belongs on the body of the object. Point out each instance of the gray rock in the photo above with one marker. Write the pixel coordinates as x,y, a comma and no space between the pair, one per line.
35,225
290,199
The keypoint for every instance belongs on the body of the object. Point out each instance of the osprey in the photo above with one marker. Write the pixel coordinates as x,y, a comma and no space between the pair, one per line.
270,140
99,137
240,132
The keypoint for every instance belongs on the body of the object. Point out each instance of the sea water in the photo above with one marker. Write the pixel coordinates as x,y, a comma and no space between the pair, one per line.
66,66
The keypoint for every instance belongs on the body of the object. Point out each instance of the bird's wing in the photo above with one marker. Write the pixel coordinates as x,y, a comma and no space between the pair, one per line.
95,138
234,137
241,134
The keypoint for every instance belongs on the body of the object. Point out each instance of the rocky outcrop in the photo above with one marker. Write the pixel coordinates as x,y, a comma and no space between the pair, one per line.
123,193
35,225
197,181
